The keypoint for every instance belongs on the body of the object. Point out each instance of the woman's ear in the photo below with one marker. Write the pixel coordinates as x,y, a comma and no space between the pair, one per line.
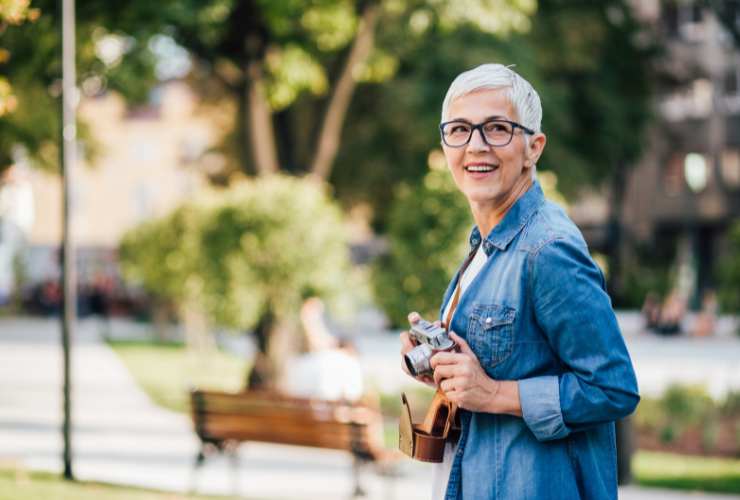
536,146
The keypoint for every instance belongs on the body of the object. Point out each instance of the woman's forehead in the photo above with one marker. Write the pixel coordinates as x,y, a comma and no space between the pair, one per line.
482,104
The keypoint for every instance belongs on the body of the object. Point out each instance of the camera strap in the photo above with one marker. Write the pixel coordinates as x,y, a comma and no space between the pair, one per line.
426,441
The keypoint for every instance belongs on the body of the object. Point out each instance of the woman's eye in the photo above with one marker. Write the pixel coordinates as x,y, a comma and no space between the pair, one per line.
460,129
496,127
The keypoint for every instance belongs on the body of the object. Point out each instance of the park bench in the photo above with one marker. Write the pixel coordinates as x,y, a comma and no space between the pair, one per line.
225,420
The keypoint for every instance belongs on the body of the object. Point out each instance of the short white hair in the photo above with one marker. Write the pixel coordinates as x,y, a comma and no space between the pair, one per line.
523,97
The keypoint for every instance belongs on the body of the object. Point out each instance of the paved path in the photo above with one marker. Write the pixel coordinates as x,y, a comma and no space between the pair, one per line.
121,437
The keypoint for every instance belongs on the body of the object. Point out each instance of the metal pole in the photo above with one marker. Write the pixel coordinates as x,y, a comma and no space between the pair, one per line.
68,157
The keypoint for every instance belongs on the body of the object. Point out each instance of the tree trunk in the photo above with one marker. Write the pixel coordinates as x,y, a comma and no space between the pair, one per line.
197,334
276,343
259,117
331,129
616,235
261,374
625,450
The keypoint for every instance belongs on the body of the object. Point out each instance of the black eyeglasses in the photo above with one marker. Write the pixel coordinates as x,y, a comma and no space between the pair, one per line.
496,132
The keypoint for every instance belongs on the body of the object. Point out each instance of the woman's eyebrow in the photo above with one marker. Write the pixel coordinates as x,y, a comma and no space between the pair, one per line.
487,118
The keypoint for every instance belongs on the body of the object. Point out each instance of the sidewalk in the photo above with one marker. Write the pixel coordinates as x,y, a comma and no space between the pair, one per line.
121,437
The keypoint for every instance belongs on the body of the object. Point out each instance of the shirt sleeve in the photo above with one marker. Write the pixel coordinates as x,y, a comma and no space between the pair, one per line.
597,383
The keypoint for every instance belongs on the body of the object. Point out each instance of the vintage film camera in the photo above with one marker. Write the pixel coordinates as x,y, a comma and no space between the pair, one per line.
430,339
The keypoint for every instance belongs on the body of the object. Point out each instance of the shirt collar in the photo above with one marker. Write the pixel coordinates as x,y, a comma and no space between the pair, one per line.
512,223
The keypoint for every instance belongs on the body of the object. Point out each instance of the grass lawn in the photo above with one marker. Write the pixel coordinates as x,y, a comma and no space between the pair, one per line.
19,484
669,470
166,371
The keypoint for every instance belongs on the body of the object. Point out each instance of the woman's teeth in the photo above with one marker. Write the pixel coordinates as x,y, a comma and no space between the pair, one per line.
479,168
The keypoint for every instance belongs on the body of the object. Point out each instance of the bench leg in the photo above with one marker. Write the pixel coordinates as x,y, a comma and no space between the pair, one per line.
359,491
199,459
233,453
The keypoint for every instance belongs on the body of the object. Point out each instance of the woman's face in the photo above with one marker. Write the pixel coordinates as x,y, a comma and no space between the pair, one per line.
487,175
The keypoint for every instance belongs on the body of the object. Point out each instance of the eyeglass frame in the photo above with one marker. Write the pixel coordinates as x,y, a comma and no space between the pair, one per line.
479,128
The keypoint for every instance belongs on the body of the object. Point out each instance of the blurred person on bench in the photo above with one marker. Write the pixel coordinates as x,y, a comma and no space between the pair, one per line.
330,368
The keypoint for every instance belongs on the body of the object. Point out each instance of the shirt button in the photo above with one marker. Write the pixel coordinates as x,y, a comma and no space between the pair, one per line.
488,321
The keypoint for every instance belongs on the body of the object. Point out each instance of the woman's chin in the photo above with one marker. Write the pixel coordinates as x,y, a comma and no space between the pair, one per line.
482,196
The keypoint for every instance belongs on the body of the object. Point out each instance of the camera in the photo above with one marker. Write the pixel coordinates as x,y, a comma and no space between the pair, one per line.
430,339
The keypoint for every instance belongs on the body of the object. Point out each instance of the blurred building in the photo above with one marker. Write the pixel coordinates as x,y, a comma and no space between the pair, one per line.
145,167
684,193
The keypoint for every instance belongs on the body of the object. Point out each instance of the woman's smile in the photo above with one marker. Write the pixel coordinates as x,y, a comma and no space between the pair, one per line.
480,170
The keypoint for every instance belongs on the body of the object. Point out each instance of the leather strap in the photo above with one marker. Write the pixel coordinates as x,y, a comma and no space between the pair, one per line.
426,441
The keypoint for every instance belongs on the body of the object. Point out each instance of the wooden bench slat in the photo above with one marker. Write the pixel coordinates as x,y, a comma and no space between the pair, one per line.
268,417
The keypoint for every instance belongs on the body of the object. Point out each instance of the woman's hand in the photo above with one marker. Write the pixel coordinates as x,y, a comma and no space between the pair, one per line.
463,380
407,344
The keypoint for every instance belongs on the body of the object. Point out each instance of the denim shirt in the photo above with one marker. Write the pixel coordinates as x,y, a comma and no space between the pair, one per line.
538,313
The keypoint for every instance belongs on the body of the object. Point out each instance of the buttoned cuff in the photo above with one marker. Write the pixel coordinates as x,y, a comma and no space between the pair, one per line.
540,401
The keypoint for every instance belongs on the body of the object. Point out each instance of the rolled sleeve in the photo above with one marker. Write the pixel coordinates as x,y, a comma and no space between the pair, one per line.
540,401
597,383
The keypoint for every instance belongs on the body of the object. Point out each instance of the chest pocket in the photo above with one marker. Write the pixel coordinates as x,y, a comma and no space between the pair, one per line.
491,332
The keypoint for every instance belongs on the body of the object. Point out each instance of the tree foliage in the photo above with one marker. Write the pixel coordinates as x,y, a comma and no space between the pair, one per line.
246,257
31,66
729,273
12,13
428,231
590,62
292,67
260,245
427,240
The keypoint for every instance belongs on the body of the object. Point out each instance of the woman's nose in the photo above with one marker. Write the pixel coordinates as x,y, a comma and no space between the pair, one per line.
477,142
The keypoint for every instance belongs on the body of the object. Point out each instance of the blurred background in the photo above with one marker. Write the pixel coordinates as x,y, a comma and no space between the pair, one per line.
260,184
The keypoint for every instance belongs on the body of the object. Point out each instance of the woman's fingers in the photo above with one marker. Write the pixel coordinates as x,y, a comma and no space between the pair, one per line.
414,317
406,343
445,358
464,347
443,372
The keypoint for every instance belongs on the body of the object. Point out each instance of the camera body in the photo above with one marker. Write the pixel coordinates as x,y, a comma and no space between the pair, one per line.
429,338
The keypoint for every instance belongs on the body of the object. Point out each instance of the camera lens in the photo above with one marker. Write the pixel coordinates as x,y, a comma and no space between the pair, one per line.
417,360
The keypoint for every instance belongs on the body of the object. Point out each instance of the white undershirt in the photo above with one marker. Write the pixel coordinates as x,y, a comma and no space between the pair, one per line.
441,471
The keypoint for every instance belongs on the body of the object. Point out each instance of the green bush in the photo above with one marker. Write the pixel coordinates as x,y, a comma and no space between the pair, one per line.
261,245
269,244
163,255
682,408
245,257
729,273
428,228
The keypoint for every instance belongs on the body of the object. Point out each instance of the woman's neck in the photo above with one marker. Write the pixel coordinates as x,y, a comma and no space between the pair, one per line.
488,215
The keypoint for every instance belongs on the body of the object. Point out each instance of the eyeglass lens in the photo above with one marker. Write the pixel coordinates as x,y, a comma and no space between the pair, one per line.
497,133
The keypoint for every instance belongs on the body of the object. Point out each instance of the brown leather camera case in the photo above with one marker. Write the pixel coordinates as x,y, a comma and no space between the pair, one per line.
426,441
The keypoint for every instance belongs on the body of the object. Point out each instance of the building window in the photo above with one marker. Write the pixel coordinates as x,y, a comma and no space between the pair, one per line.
731,96
730,168
731,81
673,178
684,19
696,171
694,101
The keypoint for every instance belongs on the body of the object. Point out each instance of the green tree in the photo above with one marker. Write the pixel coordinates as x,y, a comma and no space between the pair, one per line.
590,61
292,67
427,239
729,272
600,62
12,13
31,67
428,232
246,257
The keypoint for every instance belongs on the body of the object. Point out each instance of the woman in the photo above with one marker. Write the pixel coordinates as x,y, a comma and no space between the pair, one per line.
542,371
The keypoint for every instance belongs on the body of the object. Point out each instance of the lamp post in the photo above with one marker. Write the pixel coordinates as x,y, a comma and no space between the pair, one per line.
68,158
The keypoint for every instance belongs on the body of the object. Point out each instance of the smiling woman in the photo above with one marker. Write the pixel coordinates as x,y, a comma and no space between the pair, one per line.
492,168
541,371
